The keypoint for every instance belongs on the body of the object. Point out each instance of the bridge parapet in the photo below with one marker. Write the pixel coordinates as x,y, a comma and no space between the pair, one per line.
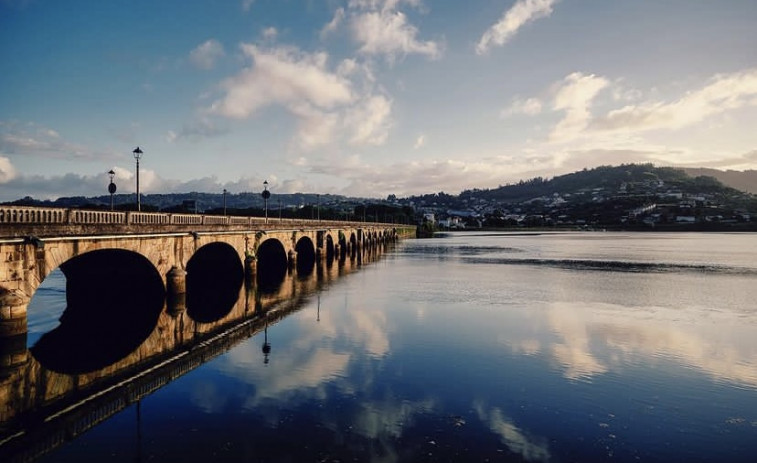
21,221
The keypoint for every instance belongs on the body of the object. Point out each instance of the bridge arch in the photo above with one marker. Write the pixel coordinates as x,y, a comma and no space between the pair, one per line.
271,264
329,247
114,298
342,246
305,249
214,278
353,245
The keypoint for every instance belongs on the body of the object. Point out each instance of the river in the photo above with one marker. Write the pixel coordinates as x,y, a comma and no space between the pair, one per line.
553,347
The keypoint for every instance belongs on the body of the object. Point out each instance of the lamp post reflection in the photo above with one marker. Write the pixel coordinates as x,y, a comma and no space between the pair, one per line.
266,345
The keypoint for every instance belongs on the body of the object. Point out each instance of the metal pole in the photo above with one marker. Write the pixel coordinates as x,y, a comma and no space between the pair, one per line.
224,201
137,155
266,194
139,201
111,188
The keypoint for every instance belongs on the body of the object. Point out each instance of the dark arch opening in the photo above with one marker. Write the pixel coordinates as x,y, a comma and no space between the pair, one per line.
113,300
214,278
272,265
329,249
342,246
353,246
305,256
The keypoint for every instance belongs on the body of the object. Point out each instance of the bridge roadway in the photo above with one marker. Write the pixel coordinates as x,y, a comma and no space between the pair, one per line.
184,258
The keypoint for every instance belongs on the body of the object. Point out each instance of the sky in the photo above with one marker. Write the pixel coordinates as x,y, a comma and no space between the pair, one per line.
367,97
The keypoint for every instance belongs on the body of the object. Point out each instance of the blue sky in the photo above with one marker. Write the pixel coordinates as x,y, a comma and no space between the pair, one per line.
367,97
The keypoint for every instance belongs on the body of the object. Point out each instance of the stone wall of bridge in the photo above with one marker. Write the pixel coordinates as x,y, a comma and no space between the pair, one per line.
25,262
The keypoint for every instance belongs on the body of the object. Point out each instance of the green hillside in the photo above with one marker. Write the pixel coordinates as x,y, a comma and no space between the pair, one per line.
635,177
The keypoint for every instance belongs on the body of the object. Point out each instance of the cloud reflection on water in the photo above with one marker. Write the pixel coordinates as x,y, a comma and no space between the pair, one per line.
591,339
530,448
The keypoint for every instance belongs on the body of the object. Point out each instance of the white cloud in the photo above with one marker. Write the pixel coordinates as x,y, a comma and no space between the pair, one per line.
324,101
523,12
373,179
315,127
282,75
379,28
334,24
52,187
247,5
624,128
206,54
7,171
529,107
202,127
34,140
370,121
388,33
270,33
574,97
420,142
725,92
381,5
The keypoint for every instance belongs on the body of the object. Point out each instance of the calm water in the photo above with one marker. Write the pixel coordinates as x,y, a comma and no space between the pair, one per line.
477,347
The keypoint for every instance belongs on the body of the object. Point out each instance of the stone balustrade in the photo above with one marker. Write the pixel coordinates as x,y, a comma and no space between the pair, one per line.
24,215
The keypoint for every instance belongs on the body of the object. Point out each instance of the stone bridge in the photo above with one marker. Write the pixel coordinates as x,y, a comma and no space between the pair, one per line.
81,373
181,258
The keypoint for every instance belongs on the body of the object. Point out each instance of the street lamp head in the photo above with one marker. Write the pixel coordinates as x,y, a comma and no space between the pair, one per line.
265,184
137,153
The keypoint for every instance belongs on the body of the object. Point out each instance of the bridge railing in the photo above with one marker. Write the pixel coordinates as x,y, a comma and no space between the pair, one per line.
20,215
16,214
77,216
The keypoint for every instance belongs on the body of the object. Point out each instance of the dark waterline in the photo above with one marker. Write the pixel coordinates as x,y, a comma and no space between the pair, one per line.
498,347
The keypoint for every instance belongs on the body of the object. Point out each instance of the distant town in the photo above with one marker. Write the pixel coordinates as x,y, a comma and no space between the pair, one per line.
633,196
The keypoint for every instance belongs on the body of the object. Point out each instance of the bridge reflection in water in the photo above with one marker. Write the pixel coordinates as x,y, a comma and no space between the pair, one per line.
115,345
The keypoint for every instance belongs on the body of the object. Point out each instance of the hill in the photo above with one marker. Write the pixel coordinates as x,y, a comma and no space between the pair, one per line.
628,178
741,180
626,196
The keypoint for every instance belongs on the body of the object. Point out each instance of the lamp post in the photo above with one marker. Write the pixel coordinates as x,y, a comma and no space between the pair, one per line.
265,194
111,187
318,197
224,201
137,156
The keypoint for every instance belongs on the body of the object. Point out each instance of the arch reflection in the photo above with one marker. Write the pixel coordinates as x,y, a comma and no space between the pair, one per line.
114,298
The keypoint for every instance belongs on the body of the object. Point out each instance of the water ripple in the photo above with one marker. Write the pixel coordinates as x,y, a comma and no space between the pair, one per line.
620,266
